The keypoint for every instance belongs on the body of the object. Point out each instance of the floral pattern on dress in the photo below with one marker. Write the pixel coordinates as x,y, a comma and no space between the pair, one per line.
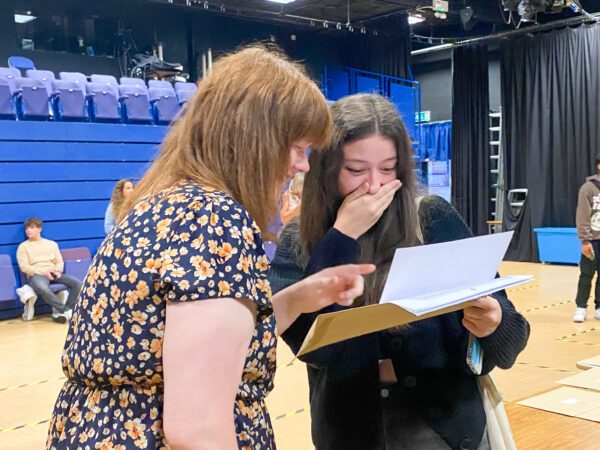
187,243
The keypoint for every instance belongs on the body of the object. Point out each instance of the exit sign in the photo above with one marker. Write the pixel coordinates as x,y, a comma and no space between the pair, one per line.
440,6
423,116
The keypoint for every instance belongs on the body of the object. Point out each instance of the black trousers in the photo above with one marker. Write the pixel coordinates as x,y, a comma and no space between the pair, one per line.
588,268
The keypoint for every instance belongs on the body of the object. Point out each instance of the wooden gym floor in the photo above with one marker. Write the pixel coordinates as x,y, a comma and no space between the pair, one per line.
31,375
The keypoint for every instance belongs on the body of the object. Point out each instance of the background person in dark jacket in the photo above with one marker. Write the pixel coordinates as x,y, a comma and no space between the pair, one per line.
588,231
404,388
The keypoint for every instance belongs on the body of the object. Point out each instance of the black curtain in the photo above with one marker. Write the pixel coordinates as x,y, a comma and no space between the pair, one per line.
551,113
385,53
470,136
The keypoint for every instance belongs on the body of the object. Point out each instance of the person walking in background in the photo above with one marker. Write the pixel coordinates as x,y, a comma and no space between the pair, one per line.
41,261
122,190
588,230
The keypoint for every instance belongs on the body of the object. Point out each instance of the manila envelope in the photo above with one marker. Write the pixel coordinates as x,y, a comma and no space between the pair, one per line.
566,400
590,379
341,325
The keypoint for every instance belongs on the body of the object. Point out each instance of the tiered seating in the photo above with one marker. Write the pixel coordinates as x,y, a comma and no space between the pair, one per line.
72,105
40,96
8,280
104,102
184,91
165,103
11,75
45,76
32,99
79,78
134,103
7,103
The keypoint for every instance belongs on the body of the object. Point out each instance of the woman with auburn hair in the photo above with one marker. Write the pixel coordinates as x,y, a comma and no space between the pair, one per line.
121,191
173,338
408,387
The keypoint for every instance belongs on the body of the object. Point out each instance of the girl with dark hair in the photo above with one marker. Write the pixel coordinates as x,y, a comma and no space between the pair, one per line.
404,388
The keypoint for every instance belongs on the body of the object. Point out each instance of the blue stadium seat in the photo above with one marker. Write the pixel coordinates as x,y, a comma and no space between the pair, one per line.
12,75
108,81
32,99
7,103
77,261
20,63
133,82
69,101
8,280
45,76
77,77
134,104
105,102
164,104
185,91
161,84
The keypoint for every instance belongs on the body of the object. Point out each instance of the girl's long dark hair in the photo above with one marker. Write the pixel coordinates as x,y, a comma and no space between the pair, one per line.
357,117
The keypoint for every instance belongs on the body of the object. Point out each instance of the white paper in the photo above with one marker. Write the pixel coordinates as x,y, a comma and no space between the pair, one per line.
430,277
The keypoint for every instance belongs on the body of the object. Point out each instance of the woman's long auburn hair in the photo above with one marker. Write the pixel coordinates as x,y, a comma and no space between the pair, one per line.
118,199
354,118
238,129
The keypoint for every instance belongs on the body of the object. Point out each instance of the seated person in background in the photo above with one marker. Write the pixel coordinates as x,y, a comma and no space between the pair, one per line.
42,262
122,190
290,200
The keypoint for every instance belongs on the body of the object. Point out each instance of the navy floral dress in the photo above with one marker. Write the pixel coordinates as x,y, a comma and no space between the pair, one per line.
188,243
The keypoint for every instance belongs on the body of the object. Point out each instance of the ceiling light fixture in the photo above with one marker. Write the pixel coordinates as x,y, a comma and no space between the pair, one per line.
415,18
24,18
283,2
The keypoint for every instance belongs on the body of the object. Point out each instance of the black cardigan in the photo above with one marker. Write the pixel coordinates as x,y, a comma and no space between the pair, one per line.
428,357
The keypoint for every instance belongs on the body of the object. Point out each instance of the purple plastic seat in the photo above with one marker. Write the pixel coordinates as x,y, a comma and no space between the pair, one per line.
32,99
12,75
77,261
180,86
45,76
135,104
184,96
69,101
108,81
105,103
7,103
77,77
165,105
161,84
133,82
8,280
185,91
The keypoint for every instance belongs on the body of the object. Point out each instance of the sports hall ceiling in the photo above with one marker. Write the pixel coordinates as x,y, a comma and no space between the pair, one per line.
339,11
486,16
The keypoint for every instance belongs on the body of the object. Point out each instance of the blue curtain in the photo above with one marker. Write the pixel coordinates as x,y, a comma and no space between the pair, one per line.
436,141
